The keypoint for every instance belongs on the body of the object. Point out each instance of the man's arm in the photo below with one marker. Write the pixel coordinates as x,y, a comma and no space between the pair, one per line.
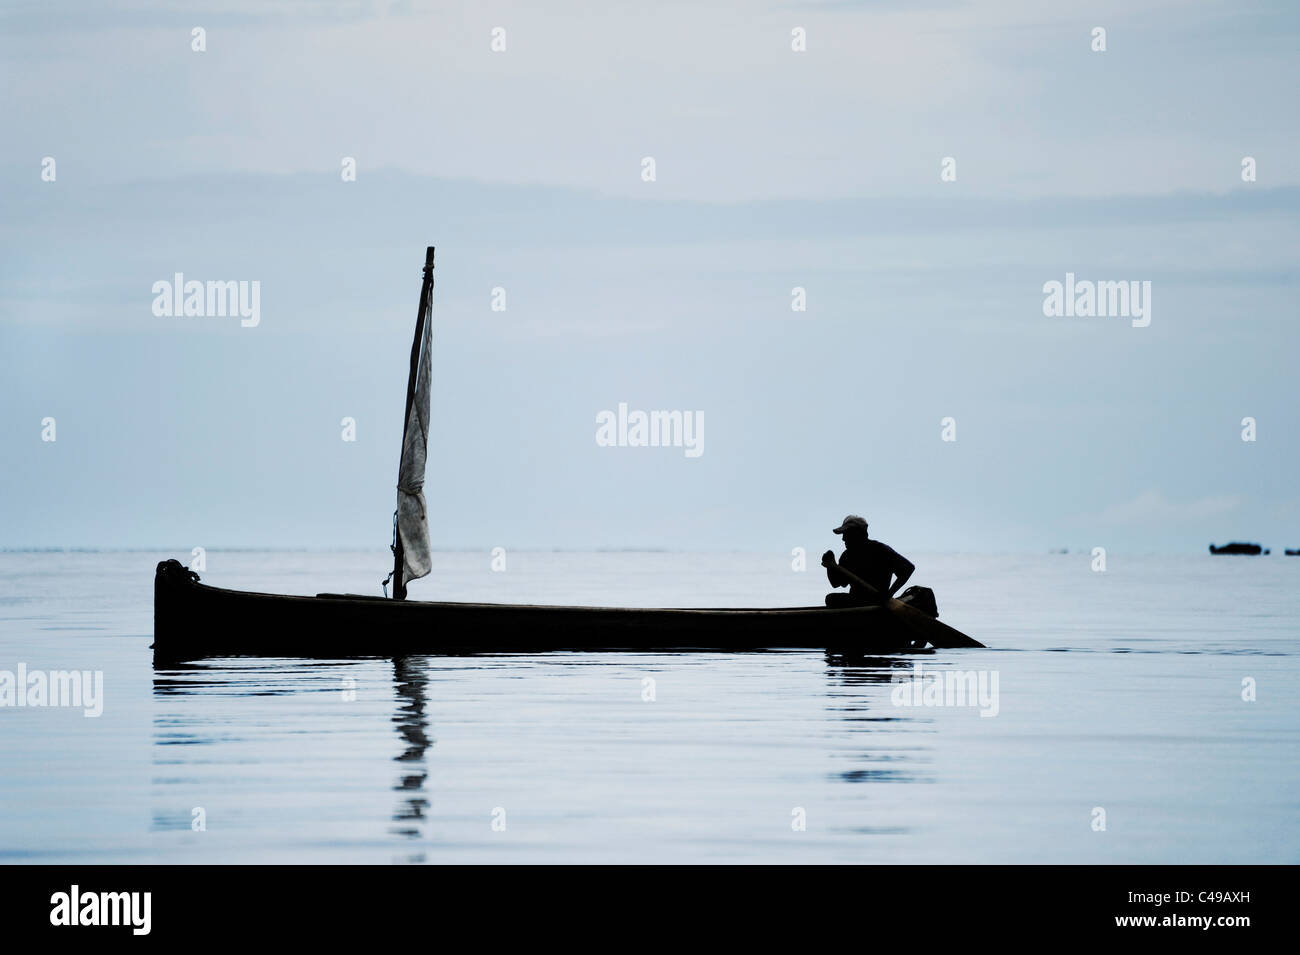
833,574
904,569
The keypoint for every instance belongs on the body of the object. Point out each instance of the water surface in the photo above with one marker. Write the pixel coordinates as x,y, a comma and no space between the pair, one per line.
1119,691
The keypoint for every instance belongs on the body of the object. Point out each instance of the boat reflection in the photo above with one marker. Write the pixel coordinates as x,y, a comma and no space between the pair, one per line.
884,747
342,751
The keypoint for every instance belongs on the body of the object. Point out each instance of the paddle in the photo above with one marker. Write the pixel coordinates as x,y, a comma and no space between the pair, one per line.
922,626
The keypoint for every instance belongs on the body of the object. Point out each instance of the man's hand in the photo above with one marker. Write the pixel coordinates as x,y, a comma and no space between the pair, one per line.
828,559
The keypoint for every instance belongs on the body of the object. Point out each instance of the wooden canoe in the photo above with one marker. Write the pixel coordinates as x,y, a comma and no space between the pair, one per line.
193,620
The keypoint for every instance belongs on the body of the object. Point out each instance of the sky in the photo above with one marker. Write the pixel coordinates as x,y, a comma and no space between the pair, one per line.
774,169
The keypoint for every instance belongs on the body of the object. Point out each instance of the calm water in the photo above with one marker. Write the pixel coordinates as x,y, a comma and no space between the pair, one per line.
1120,690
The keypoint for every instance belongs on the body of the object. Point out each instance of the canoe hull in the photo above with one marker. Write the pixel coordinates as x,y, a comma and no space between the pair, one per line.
193,620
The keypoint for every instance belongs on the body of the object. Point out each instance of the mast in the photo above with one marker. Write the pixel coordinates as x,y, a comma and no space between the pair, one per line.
426,290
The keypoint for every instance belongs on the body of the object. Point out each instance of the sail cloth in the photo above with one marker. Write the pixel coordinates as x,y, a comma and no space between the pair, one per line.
412,518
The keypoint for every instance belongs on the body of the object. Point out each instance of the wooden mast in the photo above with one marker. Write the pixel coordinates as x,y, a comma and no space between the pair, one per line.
426,289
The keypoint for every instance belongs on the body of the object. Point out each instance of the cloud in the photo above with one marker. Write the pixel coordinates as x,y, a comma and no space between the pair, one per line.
1152,507
713,91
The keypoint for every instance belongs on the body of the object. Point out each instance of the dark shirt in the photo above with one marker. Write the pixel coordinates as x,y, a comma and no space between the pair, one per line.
875,562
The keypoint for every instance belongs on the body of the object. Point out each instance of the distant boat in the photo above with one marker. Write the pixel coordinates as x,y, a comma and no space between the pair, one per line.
1237,547
194,620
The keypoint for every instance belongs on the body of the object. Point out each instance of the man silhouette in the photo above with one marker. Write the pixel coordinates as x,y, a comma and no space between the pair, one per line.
875,562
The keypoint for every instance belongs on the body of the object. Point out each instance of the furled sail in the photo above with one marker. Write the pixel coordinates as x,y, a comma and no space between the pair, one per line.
411,544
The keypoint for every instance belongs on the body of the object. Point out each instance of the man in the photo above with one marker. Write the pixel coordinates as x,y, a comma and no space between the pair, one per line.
872,561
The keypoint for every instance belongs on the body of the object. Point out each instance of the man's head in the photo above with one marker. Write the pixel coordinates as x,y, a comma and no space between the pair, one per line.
853,529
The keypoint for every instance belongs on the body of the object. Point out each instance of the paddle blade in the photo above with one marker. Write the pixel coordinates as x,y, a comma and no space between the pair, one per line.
937,634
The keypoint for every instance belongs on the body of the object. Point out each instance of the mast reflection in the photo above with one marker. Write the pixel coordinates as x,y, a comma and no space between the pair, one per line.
410,679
